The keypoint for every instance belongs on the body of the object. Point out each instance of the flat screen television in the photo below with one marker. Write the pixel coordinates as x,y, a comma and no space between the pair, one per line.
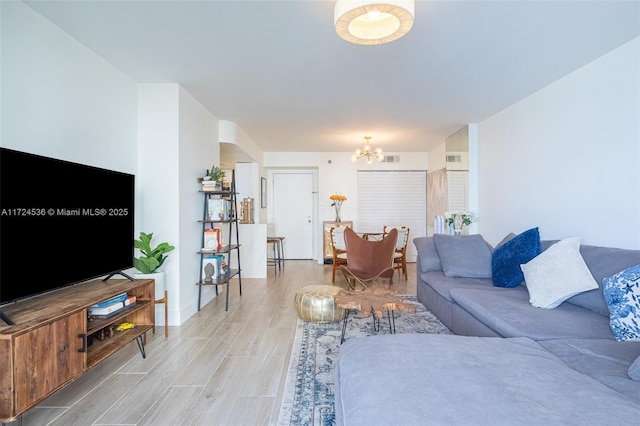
61,223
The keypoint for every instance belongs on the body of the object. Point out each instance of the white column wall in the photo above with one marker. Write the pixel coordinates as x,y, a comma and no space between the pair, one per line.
178,142
156,184
198,150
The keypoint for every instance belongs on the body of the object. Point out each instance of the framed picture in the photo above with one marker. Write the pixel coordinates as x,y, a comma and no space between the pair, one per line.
263,193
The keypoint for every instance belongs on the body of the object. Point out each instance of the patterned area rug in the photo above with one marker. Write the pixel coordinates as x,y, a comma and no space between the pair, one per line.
308,394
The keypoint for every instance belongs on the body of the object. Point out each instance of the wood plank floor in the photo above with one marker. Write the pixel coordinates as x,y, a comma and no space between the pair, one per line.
218,368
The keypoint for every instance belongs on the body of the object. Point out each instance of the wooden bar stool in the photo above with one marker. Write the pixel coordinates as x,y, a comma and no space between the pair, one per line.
278,253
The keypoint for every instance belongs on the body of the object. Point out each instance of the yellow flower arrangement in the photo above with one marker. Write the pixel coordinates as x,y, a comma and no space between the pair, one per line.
337,203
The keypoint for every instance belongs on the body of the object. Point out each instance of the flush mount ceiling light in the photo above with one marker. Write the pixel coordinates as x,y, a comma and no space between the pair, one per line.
366,151
371,21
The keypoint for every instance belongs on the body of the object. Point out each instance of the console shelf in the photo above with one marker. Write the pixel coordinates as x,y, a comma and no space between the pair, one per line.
51,343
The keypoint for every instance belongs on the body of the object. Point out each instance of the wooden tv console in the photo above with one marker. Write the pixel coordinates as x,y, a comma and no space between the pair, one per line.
52,344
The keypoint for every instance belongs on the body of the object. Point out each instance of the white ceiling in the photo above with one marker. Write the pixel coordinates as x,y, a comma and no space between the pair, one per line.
279,71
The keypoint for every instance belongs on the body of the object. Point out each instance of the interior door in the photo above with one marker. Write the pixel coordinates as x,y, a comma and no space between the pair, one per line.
293,212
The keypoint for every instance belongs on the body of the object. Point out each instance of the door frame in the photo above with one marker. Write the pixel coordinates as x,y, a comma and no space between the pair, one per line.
314,202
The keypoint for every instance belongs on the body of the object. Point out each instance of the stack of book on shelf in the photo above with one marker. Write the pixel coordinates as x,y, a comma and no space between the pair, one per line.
212,240
211,185
213,267
112,306
219,209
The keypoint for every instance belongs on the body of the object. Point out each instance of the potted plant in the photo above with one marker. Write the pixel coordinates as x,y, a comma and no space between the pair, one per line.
151,260
217,175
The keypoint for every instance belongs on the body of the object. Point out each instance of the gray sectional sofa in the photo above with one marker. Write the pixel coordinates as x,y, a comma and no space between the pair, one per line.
508,362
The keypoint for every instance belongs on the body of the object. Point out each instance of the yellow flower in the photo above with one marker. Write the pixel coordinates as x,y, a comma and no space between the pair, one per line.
337,197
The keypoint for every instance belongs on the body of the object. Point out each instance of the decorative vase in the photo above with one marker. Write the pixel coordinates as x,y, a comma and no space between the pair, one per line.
457,224
337,206
159,277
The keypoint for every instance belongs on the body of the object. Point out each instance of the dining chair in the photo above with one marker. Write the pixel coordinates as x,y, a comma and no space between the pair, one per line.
368,261
400,254
338,248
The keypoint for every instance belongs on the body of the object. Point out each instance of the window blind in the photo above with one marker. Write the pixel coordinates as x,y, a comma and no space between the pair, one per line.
393,198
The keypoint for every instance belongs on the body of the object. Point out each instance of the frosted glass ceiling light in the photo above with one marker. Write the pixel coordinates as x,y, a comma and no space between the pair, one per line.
371,21
366,151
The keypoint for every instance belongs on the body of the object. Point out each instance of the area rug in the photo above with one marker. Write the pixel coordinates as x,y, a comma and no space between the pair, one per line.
309,389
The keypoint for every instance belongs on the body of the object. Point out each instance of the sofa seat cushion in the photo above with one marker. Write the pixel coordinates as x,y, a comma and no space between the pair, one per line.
509,313
607,361
443,284
447,379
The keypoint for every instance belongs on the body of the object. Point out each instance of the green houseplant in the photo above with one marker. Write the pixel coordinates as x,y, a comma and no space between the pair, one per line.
153,258
216,174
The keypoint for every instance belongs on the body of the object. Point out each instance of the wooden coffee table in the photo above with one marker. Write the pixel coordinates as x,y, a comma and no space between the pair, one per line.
374,300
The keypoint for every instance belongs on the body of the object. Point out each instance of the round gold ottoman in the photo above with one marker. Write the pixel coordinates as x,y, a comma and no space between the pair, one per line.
315,303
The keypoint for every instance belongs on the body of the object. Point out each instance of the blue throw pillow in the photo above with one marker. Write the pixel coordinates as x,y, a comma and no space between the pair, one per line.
622,293
507,258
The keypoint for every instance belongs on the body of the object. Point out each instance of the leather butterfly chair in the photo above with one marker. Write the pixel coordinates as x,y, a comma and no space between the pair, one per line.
368,261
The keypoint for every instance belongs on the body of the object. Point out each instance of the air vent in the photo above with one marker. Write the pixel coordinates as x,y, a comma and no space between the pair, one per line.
454,159
391,159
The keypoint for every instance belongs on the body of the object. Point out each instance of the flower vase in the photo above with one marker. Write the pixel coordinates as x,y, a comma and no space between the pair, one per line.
457,224
337,206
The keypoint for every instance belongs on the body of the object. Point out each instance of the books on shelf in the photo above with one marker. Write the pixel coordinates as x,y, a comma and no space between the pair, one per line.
103,310
211,185
213,267
114,299
212,239
218,209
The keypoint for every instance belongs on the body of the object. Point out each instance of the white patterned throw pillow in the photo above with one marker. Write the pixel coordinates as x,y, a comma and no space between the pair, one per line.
557,274
622,293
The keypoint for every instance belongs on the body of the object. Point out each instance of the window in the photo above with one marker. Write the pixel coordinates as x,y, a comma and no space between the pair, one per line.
458,190
393,198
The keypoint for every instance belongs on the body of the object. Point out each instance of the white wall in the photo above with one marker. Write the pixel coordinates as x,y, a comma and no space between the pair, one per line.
61,100
178,142
565,159
337,174
198,149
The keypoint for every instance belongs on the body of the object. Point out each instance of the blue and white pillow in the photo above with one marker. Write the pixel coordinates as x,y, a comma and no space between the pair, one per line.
622,293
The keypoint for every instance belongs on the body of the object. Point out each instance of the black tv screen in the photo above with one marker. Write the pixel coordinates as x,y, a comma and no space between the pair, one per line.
61,223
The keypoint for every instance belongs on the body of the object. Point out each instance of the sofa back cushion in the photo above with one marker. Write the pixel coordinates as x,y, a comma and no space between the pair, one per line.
603,262
428,259
510,254
467,256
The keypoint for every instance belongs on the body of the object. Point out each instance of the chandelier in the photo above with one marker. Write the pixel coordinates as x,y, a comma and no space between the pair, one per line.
366,151
373,21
